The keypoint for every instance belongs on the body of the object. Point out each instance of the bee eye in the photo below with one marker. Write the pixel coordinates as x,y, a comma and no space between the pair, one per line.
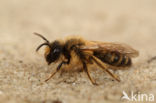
56,51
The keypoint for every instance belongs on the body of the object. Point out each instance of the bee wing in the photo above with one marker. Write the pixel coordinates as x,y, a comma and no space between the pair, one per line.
110,47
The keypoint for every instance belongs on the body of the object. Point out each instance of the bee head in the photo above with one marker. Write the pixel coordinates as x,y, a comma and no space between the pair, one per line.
53,50
53,53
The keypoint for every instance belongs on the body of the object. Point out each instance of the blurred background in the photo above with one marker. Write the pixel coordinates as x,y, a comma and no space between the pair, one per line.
127,21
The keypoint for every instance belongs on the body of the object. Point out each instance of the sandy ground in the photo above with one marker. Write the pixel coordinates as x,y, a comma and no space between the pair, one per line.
22,70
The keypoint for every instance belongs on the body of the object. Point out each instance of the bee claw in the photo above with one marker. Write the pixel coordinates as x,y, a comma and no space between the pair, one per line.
95,84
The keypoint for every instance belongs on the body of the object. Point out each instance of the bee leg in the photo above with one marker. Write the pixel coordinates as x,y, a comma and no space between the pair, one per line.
100,64
86,70
58,68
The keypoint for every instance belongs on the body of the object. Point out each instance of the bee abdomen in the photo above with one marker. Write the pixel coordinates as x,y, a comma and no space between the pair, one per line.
114,59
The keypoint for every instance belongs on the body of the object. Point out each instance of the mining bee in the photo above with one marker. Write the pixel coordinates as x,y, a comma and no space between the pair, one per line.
104,54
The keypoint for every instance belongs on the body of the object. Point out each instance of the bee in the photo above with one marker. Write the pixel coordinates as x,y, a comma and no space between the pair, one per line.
104,54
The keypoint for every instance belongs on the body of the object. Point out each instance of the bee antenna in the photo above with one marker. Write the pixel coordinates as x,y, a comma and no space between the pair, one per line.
42,45
41,37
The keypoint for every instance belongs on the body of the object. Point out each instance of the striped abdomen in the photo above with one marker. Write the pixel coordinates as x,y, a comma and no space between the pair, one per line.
114,58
